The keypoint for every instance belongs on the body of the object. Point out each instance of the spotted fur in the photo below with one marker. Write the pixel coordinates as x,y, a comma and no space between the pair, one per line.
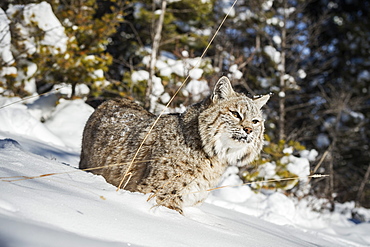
184,155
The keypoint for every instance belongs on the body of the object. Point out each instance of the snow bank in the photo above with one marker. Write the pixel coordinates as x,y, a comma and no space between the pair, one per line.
58,129
69,130
17,119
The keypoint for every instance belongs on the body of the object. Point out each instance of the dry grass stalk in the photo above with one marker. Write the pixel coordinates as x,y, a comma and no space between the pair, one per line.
31,97
21,178
261,182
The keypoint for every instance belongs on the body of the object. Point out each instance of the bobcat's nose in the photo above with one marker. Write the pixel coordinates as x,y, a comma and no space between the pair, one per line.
248,130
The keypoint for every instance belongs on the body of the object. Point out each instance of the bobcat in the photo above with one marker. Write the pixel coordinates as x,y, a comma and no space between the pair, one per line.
184,155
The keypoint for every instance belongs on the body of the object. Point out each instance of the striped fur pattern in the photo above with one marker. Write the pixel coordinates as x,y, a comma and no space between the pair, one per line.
184,155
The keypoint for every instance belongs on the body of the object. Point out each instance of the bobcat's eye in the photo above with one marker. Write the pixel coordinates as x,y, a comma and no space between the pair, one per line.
255,121
236,114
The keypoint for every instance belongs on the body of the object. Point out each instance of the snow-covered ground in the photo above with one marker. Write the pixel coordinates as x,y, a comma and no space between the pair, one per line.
46,201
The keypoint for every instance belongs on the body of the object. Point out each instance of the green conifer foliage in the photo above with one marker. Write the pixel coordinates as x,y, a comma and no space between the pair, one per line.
84,60
85,57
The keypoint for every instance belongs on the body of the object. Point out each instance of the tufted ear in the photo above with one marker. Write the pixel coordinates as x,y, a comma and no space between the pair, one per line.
222,89
261,101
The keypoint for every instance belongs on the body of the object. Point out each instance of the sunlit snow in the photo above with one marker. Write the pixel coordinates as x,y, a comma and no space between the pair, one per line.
69,207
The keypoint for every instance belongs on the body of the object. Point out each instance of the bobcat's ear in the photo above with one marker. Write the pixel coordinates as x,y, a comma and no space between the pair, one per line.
222,90
261,101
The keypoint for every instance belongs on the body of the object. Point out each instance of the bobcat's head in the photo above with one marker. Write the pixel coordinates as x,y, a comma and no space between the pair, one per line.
232,127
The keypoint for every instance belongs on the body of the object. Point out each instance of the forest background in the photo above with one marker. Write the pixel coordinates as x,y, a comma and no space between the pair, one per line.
313,56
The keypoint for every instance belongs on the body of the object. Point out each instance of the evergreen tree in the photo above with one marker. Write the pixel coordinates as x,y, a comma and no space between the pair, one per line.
84,60
186,27
88,29
341,95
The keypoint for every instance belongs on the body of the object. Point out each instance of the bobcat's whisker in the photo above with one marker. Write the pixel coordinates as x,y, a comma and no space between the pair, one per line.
21,178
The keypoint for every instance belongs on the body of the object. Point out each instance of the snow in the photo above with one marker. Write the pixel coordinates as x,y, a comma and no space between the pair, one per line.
309,154
5,53
275,21
66,89
158,88
28,21
197,89
302,74
196,73
272,53
267,5
26,75
60,205
185,53
68,130
42,15
141,75
172,68
165,98
225,6
277,39
363,76
338,20
46,201
234,72
17,119
322,140
298,166
246,15
286,11
281,94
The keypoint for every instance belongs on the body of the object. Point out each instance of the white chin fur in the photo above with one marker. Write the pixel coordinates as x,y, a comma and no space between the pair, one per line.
231,150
